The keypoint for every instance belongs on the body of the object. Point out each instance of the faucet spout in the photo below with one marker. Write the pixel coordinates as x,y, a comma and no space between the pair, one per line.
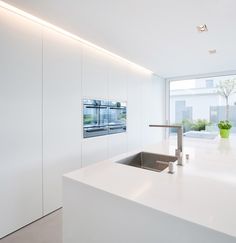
179,150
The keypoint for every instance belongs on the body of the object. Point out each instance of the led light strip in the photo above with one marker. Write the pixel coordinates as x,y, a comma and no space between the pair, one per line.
66,33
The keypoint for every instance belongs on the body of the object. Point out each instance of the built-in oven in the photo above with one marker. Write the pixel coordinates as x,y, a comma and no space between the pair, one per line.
95,118
103,117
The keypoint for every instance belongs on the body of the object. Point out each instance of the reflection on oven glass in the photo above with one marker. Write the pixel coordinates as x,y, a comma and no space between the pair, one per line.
117,117
102,117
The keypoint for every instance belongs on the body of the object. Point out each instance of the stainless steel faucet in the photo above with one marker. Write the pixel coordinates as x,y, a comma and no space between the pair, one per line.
179,150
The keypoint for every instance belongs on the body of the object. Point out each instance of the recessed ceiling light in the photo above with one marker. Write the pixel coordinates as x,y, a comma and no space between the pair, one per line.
212,51
202,28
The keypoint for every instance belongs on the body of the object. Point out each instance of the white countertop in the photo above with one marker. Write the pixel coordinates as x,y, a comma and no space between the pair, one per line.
203,191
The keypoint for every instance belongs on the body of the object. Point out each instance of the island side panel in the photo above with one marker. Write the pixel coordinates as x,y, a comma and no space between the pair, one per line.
93,216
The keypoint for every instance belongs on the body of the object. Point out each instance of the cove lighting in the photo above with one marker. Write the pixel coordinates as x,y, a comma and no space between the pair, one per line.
71,35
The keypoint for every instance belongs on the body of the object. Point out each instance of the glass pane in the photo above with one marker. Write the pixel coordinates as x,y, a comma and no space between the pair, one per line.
95,118
117,117
102,117
198,105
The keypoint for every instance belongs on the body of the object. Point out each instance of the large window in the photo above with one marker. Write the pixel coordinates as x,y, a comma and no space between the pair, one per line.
198,105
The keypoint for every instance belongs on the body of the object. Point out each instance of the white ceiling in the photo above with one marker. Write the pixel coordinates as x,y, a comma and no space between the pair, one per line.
158,34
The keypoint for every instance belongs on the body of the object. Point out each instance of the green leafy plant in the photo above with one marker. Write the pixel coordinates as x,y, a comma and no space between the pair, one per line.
187,125
200,125
197,125
224,125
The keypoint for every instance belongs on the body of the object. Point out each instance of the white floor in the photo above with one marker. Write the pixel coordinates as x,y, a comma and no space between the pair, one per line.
45,230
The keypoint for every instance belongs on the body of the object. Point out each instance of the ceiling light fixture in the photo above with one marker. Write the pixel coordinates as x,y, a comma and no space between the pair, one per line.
202,28
71,35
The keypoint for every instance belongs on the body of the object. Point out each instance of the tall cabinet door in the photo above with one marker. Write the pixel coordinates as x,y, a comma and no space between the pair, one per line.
117,91
61,114
95,86
20,122
134,124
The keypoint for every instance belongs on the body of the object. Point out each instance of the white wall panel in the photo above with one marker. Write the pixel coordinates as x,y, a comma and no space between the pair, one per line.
146,111
62,114
95,74
152,109
117,86
20,122
158,99
134,118
117,90
94,86
94,150
117,144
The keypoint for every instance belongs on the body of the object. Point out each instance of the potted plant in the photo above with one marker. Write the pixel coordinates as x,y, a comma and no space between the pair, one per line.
224,127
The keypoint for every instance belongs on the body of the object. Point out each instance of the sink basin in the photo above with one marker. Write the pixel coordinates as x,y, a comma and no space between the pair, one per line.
149,161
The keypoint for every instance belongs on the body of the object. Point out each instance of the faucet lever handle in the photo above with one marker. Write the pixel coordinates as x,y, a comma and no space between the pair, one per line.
179,155
171,168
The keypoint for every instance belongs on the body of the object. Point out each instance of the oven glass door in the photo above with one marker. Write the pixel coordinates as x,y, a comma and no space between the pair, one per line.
95,118
117,117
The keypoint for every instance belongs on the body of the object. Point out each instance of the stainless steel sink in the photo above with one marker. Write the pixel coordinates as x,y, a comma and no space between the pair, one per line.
149,161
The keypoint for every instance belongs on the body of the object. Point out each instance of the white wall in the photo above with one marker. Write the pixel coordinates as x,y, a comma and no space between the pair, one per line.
20,122
44,77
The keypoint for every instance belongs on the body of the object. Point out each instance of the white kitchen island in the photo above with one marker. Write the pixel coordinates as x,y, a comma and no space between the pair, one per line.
110,202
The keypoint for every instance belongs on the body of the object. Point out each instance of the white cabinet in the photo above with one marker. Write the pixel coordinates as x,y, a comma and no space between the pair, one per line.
117,91
158,108
152,109
94,86
134,124
117,144
20,122
94,74
61,114
94,150
117,81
